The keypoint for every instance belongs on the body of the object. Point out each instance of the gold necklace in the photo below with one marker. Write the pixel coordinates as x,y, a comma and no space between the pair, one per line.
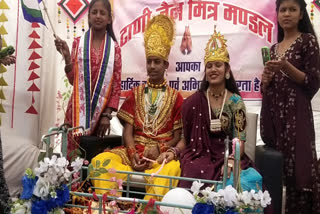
157,85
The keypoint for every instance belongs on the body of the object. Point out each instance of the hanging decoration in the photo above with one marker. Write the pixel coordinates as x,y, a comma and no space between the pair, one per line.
68,29
59,15
33,67
312,13
74,31
316,3
3,31
75,10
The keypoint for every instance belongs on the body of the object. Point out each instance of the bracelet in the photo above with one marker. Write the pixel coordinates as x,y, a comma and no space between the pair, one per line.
163,147
108,115
174,150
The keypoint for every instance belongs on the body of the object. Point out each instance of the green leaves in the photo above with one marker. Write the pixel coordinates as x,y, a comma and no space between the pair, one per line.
98,170
106,162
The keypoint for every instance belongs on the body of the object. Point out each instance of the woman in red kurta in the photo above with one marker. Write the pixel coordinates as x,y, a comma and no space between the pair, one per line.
94,70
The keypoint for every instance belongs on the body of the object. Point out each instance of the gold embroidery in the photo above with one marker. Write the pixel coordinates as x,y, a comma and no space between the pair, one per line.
127,117
225,121
240,120
122,152
166,108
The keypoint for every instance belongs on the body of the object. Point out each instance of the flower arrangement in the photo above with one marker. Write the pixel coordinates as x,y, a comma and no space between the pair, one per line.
44,189
228,200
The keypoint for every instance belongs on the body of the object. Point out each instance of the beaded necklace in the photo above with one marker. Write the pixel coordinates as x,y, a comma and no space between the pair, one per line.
153,101
151,85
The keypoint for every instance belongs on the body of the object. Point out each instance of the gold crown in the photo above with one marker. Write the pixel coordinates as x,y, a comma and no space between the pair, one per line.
216,49
159,36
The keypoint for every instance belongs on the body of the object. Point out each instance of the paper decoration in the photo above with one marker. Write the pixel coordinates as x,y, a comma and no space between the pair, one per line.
316,3
75,9
3,31
33,67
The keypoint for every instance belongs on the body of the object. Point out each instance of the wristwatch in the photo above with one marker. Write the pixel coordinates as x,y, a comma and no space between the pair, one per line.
108,115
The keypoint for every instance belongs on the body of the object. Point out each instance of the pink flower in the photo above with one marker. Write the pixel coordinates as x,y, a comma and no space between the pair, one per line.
113,203
119,182
76,175
86,162
113,192
113,179
112,170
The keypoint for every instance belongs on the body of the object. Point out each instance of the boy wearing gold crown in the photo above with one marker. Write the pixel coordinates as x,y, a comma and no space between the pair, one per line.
151,115
209,116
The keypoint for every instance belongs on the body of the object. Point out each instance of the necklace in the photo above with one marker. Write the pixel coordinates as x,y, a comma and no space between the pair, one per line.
152,108
216,96
215,124
164,83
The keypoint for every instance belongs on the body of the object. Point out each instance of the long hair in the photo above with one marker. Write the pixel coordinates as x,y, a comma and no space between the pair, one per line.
304,24
109,27
230,83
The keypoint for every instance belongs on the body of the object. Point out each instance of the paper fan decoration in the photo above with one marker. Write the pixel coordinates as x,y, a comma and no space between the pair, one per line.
75,9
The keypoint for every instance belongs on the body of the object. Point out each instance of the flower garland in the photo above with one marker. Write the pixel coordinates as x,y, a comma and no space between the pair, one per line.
228,200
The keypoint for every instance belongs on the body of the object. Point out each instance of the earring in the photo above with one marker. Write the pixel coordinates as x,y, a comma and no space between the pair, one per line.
228,75
166,71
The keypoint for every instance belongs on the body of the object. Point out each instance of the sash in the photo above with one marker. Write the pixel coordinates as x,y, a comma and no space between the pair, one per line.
86,108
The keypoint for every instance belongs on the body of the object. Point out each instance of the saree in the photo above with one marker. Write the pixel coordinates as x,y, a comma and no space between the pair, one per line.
203,156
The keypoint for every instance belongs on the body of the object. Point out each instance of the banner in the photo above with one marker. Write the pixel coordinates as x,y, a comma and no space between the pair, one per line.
246,26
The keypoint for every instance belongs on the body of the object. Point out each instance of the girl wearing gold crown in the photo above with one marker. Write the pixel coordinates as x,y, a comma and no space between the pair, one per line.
209,115
289,81
151,115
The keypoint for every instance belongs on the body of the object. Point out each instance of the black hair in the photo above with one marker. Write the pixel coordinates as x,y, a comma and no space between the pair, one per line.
108,7
230,83
304,24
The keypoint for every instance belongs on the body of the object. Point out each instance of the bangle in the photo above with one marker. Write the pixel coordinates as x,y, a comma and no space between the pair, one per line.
163,147
108,115
175,151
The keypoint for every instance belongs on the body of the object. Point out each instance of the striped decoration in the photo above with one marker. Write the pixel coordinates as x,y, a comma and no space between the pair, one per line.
3,32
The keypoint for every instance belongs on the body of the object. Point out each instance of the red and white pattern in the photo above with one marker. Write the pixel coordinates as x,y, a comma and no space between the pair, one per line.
75,9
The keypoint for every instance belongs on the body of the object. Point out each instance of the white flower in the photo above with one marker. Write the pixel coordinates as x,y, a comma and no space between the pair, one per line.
230,196
265,199
77,164
62,162
43,167
42,188
21,208
195,188
53,194
52,161
213,197
67,175
246,197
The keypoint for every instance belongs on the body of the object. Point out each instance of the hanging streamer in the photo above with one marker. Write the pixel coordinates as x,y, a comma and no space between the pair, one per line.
33,67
